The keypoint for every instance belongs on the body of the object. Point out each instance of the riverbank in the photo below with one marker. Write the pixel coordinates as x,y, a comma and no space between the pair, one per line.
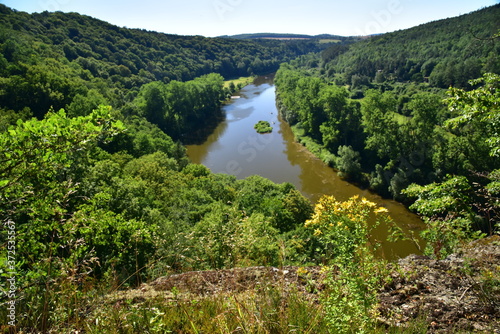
310,144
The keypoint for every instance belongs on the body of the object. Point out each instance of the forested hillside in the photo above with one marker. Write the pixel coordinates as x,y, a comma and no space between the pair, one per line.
325,38
57,58
97,194
377,110
443,53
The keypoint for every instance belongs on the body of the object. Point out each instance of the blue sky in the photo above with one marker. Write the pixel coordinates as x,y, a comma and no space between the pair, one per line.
227,17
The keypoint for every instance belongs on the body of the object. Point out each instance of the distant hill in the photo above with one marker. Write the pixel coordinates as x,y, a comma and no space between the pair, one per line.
276,36
268,36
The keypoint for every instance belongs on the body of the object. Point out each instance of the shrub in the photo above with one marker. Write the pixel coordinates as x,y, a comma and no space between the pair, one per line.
263,127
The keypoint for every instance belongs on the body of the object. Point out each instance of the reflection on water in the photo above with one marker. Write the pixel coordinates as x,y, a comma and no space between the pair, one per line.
236,148
240,114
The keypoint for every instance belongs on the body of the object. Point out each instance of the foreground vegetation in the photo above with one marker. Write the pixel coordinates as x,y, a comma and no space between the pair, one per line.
97,195
272,300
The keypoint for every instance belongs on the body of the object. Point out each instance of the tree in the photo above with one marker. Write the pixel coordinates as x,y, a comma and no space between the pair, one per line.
82,105
37,156
335,105
457,208
379,124
310,111
448,213
479,108
62,239
348,162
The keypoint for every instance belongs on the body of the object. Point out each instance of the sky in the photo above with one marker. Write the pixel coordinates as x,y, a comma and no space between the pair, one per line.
212,18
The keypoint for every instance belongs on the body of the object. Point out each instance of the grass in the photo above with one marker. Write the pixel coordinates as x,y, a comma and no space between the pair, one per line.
312,146
240,82
268,309
327,41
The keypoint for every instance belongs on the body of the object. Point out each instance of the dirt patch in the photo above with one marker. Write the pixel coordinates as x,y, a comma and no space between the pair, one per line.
241,279
307,280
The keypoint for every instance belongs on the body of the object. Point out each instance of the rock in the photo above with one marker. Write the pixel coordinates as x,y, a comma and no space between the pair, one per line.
449,292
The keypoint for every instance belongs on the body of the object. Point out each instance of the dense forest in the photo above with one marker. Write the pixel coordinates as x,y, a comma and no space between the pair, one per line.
443,53
97,193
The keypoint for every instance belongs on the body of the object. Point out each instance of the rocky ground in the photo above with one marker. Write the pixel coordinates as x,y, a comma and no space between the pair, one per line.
457,294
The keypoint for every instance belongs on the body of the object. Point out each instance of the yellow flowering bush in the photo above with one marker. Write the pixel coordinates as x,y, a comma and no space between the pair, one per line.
343,226
344,230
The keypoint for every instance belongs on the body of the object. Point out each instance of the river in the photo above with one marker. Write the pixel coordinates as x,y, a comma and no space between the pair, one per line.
235,148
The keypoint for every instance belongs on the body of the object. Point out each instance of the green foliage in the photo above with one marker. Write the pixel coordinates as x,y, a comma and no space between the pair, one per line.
83,104
395,117
283,204
355,275
107,199
37,157
351,296
180,107
270,309
451,208
348,162
478,109
323,111
122,247
448,214
226,239
71,61
10,117
143,137
402,130
448,198
38,194
342,227
243,218
379,124
84,216
263,127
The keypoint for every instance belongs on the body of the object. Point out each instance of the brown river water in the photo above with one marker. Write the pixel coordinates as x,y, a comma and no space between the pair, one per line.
235,148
